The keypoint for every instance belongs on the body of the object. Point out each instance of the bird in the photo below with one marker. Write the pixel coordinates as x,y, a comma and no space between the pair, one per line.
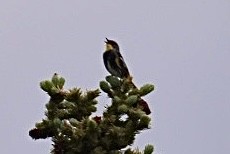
116,66
114,61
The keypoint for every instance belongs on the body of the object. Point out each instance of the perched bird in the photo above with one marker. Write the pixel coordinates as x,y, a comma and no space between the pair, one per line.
114,61
116,66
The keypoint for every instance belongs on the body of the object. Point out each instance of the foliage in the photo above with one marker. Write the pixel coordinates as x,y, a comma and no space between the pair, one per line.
73,129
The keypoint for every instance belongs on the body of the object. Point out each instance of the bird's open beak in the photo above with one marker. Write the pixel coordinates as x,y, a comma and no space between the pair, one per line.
107,40
107,45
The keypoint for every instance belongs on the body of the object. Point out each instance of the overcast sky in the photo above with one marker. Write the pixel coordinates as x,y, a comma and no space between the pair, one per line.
180,46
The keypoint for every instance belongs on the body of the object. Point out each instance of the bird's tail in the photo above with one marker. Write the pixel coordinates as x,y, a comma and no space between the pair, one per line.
142,103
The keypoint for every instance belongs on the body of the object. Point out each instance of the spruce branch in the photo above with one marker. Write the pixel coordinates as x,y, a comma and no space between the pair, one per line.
73,130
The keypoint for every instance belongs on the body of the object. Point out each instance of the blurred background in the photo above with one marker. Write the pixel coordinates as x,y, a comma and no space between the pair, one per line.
180,46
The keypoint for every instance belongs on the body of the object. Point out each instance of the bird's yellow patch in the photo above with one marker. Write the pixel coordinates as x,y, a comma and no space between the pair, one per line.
108,47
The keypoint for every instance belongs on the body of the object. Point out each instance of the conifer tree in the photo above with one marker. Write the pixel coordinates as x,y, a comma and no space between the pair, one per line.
73,129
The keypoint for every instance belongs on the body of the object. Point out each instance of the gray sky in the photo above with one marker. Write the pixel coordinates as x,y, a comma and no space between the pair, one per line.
180,46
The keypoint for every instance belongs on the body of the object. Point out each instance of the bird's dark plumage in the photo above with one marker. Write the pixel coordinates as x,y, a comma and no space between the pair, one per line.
114,61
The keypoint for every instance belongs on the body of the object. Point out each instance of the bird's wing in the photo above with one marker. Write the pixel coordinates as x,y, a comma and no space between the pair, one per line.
121,64
120,61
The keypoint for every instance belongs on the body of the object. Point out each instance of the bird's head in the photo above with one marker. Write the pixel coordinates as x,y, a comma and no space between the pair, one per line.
111,45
